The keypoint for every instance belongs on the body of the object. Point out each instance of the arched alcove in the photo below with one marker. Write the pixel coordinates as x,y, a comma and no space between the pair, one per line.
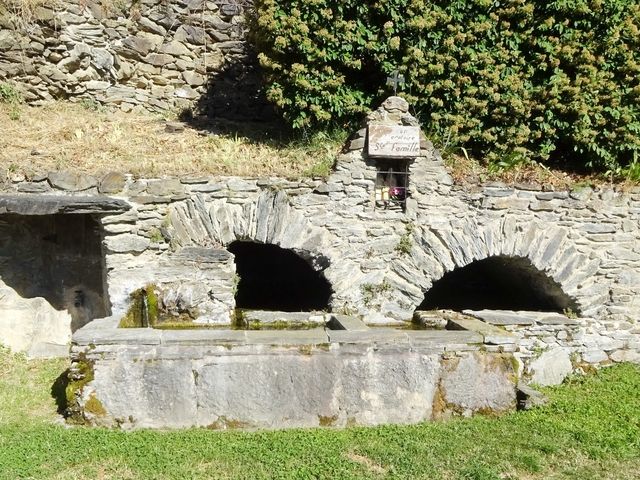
57,257
274,278
500,283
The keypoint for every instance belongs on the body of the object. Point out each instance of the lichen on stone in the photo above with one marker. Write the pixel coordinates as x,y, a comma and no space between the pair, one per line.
80,375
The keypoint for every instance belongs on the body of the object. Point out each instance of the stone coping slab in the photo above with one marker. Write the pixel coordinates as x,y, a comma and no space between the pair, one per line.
267,316
117,336
346,322
106,332
491,334
287,337
508,317
500,317
202,337
61,204
374,335
450,339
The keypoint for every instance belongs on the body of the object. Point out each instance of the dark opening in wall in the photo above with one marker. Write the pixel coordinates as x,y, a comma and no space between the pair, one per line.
58,257
500,283
274,278
392,184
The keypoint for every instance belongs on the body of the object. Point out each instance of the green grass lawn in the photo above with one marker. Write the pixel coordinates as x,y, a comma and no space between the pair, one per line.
590,429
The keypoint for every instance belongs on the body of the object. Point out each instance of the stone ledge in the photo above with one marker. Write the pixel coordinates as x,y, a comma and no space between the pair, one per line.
500,317
449,339
374,335
491,334
279,337
117,336
270,317
61,204
202,337
105,332
522,318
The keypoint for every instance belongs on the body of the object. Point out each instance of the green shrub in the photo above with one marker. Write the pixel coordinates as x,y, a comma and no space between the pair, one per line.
511,80
10,96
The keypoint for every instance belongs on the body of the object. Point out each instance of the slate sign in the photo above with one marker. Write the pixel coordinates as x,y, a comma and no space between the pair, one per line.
393,141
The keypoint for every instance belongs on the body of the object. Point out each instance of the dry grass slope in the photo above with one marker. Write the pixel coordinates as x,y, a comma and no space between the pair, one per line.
93,140
89,138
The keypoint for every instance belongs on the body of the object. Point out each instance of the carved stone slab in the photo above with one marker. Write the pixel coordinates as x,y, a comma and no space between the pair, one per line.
393,141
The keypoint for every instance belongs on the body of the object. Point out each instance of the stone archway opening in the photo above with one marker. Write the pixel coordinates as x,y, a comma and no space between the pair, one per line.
498,283
58,257
274,278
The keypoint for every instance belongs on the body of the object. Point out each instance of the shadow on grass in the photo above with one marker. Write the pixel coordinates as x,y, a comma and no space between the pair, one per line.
58,392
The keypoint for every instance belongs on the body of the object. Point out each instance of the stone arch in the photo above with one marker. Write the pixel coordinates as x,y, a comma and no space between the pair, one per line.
497,283
438,249
267,219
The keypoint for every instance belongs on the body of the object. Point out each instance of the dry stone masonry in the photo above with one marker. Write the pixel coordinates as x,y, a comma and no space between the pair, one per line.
147,54
383,233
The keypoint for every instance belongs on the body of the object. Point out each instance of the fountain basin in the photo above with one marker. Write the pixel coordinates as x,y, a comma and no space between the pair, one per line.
151,378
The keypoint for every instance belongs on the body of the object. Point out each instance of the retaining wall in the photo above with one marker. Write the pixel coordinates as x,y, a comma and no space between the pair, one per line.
152,54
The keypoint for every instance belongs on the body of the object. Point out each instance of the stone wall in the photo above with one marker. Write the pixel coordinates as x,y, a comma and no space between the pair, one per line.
151,53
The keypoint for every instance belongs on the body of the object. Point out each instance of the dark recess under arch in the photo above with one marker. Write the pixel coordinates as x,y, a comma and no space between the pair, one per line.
274,278
58,257
498,283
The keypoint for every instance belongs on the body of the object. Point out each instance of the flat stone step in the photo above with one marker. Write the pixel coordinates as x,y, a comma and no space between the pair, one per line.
491,334
345,322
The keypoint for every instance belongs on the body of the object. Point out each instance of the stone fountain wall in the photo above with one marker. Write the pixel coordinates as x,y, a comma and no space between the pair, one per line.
148,54
379,262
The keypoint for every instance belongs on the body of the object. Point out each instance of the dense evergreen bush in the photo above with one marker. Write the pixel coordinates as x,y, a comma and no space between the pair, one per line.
511,80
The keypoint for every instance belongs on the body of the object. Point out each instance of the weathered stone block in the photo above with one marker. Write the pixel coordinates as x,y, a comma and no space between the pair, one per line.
32,325
551,367
126,243
60,204
163,188
477,382
75,182
113,182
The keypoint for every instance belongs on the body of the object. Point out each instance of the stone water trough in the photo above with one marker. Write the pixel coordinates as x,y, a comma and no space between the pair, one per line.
336,374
